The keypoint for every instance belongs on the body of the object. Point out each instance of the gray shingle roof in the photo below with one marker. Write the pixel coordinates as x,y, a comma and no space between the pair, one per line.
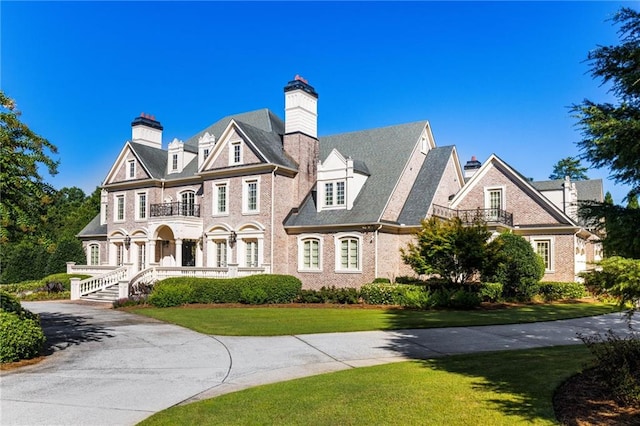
93,229
263,127
588,190
384,152
424,187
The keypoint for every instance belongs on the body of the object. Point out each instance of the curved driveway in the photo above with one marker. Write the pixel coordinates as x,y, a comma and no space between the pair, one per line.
112,368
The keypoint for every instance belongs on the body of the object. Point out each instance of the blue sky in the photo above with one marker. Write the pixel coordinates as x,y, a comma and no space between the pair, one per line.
491,77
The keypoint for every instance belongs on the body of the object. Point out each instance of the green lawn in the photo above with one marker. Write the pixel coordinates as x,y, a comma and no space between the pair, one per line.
480,389
270,321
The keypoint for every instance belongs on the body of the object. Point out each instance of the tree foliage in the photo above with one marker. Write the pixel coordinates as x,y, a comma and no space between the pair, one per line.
25,195
513,263
611,133
618,277
619,226
448,248
571,167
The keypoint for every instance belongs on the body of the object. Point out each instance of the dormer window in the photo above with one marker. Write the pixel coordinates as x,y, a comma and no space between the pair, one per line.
206,152
334,194
174,162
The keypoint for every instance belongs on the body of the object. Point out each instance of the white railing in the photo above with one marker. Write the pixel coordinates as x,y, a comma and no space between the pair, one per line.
191,271
89,269
94,284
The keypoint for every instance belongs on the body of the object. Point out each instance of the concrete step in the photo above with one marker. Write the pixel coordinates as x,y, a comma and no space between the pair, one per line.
108,295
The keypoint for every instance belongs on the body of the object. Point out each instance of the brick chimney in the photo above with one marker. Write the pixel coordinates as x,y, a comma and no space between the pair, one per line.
300,140
147,131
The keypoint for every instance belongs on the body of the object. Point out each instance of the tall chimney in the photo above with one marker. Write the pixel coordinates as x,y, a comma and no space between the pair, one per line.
300,108
300,140
147,131
471,167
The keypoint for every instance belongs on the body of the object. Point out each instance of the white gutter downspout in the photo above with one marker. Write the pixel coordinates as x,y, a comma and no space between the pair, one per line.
375,267
273,184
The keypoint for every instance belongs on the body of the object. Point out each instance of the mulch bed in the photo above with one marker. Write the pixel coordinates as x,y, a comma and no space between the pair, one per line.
582,401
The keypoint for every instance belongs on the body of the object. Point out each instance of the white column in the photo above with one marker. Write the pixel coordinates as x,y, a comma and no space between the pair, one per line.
210,252
178,252
151,252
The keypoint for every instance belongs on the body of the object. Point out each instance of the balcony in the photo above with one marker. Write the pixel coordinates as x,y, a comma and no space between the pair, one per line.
490,216
175,209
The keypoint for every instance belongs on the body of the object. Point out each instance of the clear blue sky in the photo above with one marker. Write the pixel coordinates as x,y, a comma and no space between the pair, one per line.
490,77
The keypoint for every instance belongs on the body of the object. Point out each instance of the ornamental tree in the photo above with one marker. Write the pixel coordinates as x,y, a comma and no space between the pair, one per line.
448,248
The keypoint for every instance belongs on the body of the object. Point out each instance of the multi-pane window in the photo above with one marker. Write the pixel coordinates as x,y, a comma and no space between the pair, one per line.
132,169
142,205
221,254
251,253
206,152
120,254
237,152
221,198
251,195
94,254
311,254
119,207
142,256
174,162
334,194
349,253
188,203
543,248
328,194
340,193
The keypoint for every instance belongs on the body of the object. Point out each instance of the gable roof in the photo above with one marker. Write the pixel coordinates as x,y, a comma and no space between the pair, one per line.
425,186
518,179
383,152
269,144
588,190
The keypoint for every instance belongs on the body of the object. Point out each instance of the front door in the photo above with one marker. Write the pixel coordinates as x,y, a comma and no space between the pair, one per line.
188,253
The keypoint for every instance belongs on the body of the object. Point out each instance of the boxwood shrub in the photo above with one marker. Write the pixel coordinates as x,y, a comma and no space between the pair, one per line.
490,292
21,336
341,295
551,291
254,289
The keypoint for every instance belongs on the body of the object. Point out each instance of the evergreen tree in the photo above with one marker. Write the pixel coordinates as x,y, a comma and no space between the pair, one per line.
571,167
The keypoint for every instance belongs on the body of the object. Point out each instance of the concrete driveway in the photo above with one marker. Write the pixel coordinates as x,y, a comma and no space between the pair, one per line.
112,368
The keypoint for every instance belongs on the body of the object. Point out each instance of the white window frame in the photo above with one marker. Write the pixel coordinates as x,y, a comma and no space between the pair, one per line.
91,249
548,239
205,153
235,148
131,169
216,200
174,162
339,238
254,253
302,240
330,198
184,206
221,257
487,199
142,214
245,195
116,208
142,256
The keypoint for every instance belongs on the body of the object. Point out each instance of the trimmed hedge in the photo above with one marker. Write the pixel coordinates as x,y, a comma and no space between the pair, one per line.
254,289
551,291
340,295
21,336
420,296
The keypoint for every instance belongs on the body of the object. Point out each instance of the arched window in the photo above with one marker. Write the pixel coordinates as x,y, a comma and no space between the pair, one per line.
188,204
309,253
348,253
94,254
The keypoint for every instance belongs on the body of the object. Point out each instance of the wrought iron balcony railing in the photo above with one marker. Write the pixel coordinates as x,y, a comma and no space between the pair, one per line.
175,209
471,216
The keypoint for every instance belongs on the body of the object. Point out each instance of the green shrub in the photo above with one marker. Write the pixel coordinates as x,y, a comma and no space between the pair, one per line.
252,289
416,297
512,262
551,291
382,294
43,295
10,303
617,364
490,292
382,280
124,302
617,277
464,299
309,296
167,293
405,279
20,337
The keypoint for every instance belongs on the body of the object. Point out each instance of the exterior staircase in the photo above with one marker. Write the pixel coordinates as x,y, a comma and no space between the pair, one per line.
106,295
